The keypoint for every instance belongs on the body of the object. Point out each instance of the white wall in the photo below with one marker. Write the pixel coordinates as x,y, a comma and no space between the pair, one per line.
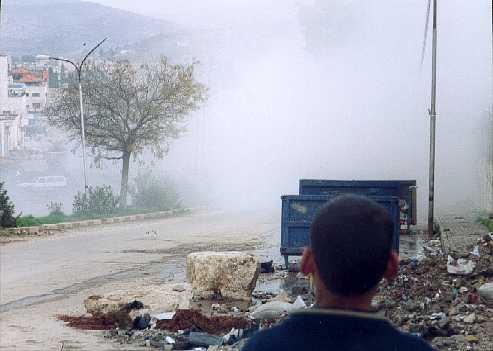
42,90
11,134
4,79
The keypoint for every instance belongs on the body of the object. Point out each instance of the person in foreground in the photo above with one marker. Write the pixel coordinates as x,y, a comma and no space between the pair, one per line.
350,253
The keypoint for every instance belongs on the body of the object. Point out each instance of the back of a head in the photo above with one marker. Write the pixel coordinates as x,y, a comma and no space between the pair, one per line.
351,239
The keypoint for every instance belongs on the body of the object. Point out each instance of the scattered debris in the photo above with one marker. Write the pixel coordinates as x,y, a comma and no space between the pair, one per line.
275,309
470,318
442,298
179,288
485,291
460,266
272,310
475,251
266,267
169,340
89,323
204,339
233,336
188,319
164,316
294,267
142,322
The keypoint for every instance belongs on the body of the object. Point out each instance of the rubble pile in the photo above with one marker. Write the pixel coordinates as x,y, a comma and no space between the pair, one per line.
89,322
445,298
110,319
193,319
209,312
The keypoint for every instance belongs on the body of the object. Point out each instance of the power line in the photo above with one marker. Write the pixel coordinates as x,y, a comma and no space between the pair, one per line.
425,35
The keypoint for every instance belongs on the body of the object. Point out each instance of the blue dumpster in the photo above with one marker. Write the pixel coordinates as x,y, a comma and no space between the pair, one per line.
404,189
298,211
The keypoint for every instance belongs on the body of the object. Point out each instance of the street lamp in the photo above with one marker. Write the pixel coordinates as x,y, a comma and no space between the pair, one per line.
78,68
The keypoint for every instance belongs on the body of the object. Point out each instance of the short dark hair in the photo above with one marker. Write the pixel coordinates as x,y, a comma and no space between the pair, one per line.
351,240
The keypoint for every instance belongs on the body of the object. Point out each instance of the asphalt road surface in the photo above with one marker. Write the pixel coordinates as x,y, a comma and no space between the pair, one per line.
44,277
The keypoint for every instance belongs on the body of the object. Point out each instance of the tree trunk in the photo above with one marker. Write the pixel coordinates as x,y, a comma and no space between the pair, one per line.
124,184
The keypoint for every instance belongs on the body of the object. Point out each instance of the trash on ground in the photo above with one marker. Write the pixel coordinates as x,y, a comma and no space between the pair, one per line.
444,298
204,339
460,266
266,267
163,316
276,309
485,291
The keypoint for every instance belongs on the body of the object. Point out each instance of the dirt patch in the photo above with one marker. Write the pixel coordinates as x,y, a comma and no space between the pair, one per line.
7,238
189,319
89,323
185,249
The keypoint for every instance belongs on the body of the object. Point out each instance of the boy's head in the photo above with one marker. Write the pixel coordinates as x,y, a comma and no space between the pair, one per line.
351,246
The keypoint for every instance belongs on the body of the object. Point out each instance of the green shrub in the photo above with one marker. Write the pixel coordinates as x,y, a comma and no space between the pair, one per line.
98,201
7,209
488,223
152,193
28,221
55,209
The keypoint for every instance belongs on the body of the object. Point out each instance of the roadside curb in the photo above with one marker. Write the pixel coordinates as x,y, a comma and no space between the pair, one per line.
94,222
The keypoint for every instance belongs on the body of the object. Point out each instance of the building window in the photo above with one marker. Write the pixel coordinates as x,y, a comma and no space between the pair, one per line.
36,106
35,94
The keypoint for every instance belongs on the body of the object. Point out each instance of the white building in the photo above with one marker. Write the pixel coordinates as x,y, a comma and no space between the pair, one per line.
36,87
13,109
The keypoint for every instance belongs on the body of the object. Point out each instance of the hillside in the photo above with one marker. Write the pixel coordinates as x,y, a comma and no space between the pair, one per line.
61,27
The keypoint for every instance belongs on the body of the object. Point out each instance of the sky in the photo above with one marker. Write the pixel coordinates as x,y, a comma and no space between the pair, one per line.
199,13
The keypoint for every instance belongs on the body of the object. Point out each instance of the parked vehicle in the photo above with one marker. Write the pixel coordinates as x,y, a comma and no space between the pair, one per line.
46,182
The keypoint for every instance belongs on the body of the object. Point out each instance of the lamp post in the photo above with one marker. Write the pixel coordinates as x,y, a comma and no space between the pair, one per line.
78,68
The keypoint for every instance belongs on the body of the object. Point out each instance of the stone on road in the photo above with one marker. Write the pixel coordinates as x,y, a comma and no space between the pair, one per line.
233,275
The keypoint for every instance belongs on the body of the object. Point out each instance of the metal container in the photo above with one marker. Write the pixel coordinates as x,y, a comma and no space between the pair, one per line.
405,190
298,212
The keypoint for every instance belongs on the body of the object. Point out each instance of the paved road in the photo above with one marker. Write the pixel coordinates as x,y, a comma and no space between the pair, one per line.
44,277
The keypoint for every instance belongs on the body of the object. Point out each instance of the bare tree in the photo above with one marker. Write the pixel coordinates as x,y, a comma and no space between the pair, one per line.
129,109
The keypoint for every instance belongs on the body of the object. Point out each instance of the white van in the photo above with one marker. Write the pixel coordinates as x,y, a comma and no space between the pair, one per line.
46,182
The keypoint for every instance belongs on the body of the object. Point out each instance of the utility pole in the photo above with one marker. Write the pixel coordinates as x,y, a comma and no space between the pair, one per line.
78,69
490,122
432,113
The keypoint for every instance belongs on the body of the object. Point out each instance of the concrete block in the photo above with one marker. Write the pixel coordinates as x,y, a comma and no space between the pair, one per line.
231,274
50,226
108,220
157,298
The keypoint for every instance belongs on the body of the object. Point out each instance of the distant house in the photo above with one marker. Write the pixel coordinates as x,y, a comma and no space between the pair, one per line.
36,86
